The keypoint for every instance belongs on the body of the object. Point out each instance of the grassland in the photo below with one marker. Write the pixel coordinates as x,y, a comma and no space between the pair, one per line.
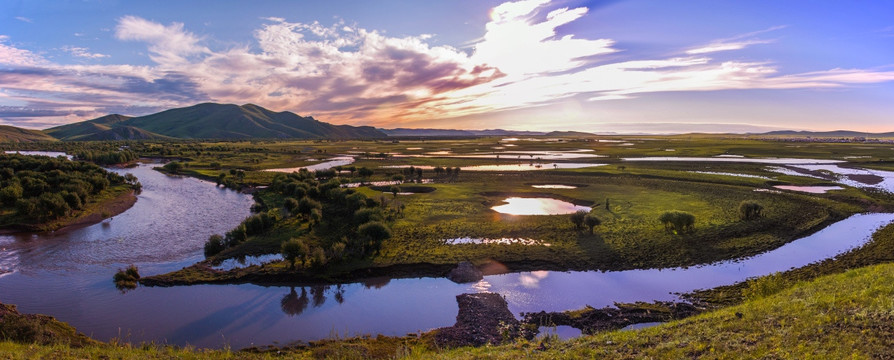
629,237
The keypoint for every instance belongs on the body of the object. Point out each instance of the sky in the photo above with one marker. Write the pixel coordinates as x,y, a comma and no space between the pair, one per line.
598,66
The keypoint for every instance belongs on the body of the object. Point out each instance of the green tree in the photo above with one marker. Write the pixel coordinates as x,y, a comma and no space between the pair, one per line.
750,210
591,221
10,194
214,245
374,233
577,218
294,250
174,167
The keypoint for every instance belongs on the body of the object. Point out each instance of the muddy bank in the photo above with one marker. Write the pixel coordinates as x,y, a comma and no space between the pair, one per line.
483,318
591,320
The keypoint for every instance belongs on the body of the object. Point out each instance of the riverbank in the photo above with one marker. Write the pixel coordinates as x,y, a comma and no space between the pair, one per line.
110,203
806,319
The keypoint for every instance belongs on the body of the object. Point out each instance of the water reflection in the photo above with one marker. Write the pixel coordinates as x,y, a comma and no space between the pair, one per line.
292,304
537,206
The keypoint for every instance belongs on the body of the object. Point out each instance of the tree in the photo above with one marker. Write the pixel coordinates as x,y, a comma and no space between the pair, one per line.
214,245
305,206
395,190
174,167
294,250
364,172
291,205
591,221
577,218
10,194
750,210
374,233
677,221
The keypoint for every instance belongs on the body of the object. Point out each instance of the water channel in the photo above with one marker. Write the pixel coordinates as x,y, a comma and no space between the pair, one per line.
69,276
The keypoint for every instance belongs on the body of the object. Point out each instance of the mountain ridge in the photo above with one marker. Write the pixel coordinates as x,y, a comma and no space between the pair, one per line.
210,121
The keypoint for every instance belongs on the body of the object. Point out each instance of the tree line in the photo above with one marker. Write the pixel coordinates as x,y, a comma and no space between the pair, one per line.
41,188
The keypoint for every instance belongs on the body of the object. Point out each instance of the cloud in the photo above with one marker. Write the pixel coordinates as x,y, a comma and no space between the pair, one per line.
83,52
168,45
24,19
738,42
344,73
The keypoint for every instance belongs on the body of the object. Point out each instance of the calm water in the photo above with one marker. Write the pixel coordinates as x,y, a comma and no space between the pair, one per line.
69,276
537,206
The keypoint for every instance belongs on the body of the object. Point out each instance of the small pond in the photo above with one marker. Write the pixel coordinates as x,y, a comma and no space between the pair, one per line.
537,206
325,165
554,186
808,189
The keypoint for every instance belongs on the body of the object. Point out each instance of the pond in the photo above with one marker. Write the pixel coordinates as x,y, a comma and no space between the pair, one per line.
537,206
68,275
325,165
783,161
808,189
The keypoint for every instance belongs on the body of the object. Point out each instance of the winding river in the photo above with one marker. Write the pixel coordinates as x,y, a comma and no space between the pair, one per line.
68,276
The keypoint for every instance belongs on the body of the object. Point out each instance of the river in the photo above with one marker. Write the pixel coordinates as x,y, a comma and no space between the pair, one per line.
69,276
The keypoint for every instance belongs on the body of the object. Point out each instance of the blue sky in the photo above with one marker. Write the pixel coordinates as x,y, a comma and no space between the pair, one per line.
626,66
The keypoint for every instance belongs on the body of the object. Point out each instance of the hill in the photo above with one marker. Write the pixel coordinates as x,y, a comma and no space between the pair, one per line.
210,121
15,134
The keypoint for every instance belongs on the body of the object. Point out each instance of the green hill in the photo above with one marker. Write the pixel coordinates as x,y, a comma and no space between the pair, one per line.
14,134
210,121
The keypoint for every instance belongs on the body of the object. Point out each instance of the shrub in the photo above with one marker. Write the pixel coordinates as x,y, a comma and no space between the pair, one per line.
577,218
750,210
126,278
677,221
591,221
294,250
214,245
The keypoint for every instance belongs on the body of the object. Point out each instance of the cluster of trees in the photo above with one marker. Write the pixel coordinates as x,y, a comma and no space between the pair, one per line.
41,188
341,222
106,157
677,221
345,223
582,219
253,225
447,171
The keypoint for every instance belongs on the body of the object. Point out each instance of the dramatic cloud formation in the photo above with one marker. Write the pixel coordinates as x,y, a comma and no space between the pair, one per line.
347,74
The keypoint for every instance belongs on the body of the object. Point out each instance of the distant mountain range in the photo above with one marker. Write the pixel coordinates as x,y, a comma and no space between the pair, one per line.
229,121
836,133
210,121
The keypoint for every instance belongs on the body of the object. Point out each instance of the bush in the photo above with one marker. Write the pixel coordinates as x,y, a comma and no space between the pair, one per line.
126,278
293,250
677,221
591,221
214,245
764,286
750,210
577,218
